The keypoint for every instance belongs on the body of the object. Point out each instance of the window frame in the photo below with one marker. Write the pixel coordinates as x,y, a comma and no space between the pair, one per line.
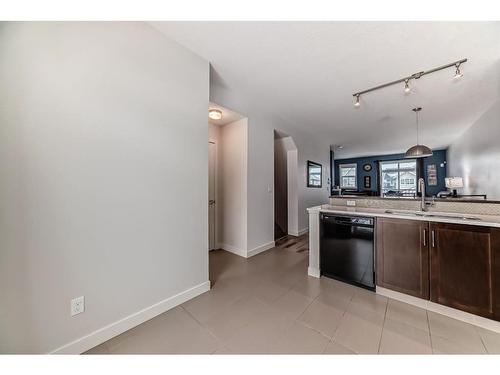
399,170
315,165
349,165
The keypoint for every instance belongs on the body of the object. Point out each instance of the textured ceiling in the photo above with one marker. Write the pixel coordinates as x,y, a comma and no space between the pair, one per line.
306,72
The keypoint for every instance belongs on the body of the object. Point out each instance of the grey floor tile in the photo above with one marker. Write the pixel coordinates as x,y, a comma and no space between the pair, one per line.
491,340
299,339
405,313
336,348
455,331
322,317
441,345
360,330
175,332
402,338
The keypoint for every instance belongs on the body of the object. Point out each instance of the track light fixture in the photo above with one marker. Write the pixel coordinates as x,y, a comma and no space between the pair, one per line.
406,80
357,103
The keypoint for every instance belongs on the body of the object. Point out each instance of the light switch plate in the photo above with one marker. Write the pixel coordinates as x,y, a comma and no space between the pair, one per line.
77,305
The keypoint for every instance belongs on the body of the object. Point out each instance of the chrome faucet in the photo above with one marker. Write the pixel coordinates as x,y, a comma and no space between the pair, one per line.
423,202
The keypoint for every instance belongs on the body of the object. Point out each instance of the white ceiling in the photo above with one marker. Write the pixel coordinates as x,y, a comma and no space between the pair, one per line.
308,71
228,116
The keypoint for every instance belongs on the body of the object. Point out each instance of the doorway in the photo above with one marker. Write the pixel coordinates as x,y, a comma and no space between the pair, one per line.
280,188
212,189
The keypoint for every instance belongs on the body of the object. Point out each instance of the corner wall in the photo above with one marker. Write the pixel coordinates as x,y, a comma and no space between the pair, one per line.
233,178
103,163
475,155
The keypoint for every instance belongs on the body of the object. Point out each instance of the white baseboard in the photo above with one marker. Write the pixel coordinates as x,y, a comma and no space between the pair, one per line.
314,272
249,253
303,231
299,233
463,316
233,249
114,329
260,249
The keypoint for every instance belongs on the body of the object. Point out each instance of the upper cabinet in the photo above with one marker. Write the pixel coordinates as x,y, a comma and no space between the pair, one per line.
465,268
403,256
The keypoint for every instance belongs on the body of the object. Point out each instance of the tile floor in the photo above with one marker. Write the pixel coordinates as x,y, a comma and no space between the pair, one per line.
268,304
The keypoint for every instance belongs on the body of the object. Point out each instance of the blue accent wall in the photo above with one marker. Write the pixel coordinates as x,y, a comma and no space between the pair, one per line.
438,157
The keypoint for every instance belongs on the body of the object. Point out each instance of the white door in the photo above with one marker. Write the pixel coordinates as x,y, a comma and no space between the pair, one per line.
211,194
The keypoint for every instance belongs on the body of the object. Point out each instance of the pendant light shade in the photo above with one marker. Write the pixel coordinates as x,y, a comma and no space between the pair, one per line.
418,151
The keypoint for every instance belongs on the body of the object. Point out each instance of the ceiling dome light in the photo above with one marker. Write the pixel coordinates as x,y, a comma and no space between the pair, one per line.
357,103
458,73
418,151
407,87
215,114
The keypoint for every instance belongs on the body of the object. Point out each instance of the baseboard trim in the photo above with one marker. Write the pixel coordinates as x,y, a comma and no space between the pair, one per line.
114,329
260,249
249,253
463,316
303,231
314,272
299,233
233,249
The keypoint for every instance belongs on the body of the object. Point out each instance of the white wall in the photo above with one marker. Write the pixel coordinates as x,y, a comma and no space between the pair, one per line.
475,155
233,186
103,163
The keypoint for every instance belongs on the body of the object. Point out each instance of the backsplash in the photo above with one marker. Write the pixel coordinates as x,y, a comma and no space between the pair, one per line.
439,206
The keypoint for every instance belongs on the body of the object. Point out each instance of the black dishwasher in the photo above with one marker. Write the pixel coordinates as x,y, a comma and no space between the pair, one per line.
347,250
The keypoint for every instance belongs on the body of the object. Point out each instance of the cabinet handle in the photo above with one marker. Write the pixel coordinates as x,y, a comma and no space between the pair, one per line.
425,236
432,239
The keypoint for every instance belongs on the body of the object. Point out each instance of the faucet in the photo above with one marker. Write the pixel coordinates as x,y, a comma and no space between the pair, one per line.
423,202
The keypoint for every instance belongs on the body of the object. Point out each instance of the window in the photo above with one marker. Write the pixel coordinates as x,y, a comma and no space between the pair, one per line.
348,176
398,178
313,174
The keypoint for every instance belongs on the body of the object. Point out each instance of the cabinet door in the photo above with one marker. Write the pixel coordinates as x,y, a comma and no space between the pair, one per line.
463,267
403,256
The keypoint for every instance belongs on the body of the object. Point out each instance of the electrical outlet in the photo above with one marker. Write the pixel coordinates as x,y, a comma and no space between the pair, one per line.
77,305
351,203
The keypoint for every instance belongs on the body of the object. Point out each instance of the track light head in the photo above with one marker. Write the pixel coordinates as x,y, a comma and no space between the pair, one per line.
407,86
458,72
357,103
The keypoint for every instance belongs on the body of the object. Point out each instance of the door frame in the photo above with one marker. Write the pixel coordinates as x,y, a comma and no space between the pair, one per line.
216,193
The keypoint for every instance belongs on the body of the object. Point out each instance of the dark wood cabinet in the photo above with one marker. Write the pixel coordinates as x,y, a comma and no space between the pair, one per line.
403,256
465,268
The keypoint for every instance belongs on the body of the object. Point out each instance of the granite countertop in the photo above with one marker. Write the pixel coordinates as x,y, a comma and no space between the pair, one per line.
444,217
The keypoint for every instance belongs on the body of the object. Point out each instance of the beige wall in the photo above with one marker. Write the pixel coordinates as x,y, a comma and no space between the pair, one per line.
103,163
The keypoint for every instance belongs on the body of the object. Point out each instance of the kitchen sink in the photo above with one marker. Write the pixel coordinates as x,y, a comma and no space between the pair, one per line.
430,214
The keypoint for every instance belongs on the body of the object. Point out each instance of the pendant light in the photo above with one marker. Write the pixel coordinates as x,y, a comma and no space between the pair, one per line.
418,151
